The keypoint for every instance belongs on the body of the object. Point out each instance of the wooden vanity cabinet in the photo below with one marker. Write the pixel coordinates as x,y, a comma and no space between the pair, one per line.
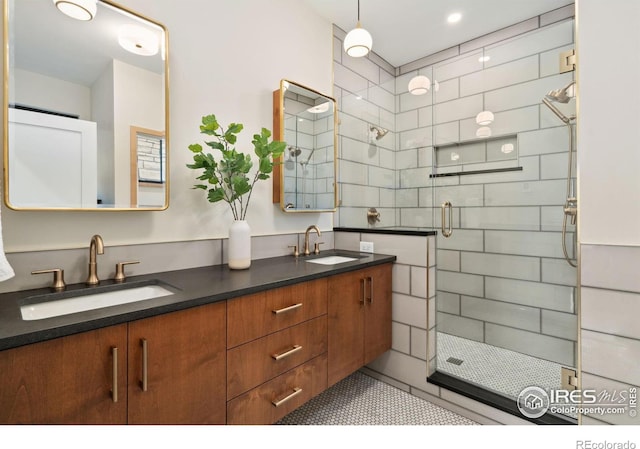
248,360
277,351
185,365
68,380
359,313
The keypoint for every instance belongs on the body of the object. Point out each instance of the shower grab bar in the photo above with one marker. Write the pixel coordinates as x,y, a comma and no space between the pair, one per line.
447,232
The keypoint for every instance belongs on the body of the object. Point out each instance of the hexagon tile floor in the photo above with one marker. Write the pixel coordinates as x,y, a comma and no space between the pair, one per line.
362,400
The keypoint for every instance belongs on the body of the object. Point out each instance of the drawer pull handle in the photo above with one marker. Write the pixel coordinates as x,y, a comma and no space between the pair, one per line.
296,392
291,351
145,368
288,309
114,373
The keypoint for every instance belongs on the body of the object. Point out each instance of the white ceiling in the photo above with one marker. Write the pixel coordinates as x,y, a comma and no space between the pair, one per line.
406,30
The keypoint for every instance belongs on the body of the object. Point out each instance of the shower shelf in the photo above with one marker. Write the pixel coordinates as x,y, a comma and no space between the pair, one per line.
474,141
477,156
475,172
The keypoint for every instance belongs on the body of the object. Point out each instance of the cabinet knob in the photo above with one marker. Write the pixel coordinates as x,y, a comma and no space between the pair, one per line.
120,277
58,277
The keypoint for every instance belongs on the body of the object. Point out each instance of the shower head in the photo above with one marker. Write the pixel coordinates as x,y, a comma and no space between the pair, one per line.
561,95
377,133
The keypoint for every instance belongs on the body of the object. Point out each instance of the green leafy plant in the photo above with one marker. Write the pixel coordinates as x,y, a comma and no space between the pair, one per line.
228,178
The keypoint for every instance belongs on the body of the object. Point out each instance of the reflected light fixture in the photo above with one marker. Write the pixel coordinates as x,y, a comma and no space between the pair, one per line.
484,131
455,156
358,42
138,40
78,9
507,148
484,118
320,108
484,58
419,85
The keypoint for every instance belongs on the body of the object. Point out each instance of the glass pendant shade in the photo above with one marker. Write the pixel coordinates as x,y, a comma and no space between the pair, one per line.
358,42
485,131
419,85
77,9
484,118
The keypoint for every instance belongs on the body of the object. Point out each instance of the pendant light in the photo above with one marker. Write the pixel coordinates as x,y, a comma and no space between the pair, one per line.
419,85
484,118
358,41
78,9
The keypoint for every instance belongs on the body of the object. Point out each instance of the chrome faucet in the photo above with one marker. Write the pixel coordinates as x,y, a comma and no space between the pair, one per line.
95,247
306,238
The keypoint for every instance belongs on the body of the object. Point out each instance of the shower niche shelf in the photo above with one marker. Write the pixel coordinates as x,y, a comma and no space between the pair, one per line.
477,156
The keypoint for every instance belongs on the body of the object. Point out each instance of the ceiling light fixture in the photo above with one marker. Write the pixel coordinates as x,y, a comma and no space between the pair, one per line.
320,108
358,42
507,148
483,132
78,9
419,85
454,18
138,40
484,118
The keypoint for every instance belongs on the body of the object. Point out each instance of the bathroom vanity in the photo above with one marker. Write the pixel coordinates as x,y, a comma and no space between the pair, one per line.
235,347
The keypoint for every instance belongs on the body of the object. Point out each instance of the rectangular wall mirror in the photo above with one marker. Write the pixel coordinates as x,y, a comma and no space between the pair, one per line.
74,91
307,120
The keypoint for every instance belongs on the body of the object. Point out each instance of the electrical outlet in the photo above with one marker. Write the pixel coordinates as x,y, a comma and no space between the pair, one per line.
366,247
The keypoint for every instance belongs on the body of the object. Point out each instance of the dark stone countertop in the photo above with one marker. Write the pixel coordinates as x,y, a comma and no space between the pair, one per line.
192,287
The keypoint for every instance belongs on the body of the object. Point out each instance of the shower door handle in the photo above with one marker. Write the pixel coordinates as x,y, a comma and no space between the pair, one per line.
449,230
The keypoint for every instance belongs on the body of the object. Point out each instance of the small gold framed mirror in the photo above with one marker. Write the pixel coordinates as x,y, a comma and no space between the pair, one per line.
305,178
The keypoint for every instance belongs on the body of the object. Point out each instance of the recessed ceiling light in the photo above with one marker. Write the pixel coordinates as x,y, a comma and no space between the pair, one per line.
454,18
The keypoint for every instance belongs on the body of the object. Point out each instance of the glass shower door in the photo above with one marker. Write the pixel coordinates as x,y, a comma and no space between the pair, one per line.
506,307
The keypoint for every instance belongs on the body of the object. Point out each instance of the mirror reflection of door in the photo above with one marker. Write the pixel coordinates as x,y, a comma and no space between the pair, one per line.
148,167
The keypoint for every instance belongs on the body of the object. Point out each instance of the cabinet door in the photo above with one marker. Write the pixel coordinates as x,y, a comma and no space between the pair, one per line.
345,324
377,327
68,380
184,362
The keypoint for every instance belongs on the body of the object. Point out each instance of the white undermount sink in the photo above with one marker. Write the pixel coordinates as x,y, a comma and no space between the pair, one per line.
91,301
332,260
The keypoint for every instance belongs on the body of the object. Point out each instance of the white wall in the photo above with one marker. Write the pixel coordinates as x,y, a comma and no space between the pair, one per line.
609,118
608,191
225,58
45,92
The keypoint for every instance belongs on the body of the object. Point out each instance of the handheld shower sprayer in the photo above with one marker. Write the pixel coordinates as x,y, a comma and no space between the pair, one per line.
571,205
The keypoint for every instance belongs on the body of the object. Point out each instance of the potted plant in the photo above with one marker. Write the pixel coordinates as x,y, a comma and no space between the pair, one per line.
228,179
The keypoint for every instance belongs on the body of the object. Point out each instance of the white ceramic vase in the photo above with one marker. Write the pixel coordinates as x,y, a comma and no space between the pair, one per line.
239,245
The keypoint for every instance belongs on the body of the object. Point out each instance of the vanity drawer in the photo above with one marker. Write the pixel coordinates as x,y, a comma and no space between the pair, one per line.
270,402
258,361
255,316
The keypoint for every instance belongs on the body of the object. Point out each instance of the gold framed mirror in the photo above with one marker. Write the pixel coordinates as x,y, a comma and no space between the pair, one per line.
73,92
305,180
